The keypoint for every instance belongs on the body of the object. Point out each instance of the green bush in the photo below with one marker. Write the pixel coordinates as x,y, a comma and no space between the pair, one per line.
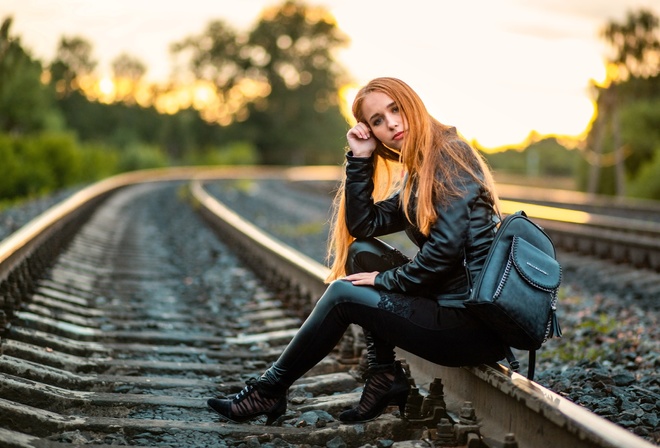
647,183
546,157
140,156
42,163
34,175
38,164
9,167
62,156
99,161
640,132
236,153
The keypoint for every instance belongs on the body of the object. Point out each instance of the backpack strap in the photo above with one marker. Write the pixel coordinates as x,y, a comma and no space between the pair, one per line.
514,364
532,364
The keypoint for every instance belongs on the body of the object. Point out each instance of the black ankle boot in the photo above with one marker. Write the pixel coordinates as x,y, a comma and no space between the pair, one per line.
249,404
386,385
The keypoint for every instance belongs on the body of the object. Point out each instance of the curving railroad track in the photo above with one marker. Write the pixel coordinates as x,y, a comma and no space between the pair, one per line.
625,231
121,314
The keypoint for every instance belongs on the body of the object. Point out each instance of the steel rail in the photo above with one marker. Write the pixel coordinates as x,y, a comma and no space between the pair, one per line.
505,401
577,198
621,239
21,244
42,238
537,416
28,252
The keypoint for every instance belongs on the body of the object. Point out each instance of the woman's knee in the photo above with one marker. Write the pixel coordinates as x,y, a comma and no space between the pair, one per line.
335,293
341,291
366,255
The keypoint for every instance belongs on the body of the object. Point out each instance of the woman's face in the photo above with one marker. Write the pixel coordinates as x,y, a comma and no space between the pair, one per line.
384,118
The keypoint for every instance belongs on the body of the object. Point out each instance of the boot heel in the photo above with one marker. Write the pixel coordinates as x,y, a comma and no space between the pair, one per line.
276,413
400,400
272,418
380,394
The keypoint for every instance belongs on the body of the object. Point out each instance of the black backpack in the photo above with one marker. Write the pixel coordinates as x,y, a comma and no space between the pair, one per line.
516,292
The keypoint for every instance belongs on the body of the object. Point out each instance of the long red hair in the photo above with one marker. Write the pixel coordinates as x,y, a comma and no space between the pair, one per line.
433,155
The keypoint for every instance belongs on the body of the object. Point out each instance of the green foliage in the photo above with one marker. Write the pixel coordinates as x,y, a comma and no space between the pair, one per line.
39,164
9,168
99,161
34,176
235,153
291,49
141,156
117,125
125,126
640,132
300,121
646,184
288,55
26,105
545,158
629,113
509,161
635,43
215,55
49,161
554,159
73,60
628,118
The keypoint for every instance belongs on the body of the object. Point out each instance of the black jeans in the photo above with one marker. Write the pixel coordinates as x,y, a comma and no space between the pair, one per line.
447,336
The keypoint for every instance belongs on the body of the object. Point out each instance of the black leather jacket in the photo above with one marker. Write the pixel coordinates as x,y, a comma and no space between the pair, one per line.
455,248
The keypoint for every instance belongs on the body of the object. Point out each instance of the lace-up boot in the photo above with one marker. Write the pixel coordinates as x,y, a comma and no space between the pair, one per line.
386,385
251,402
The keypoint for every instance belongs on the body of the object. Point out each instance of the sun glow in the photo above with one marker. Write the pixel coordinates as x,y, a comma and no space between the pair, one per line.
213,105
106,88
346,96
519,67
527,69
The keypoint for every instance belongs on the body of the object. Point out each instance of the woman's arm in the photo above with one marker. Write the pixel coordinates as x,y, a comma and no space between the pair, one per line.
364,218
441,255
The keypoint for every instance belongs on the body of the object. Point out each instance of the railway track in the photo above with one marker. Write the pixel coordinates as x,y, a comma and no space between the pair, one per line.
118,324
625,231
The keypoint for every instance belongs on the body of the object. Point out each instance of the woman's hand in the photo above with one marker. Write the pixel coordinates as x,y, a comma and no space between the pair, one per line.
362,278
360,140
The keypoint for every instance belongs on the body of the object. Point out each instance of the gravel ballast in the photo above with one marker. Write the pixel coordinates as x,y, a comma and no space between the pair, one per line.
608,359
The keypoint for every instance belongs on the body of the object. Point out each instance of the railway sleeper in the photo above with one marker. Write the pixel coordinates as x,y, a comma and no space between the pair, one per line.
42,423
54,409
125,414
110,414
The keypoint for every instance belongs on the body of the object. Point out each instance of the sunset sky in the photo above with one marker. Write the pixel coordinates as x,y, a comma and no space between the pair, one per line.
496,69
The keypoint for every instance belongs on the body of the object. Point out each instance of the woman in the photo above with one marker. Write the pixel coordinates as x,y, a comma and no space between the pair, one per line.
446,202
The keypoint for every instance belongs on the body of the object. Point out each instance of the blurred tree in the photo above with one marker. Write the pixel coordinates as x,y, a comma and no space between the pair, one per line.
300,121
26,104
635,45
219,58
214,55
633,74
72,61
285,75
542,157
129,126
127,72
640,129
127,66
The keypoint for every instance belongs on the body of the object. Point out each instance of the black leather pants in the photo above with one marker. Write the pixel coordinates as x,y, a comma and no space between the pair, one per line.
447,336
367,256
